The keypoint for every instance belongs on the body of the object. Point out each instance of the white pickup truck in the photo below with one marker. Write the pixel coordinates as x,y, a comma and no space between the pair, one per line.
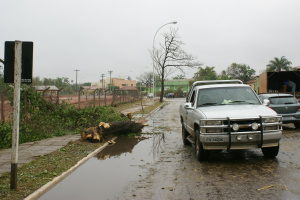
228,115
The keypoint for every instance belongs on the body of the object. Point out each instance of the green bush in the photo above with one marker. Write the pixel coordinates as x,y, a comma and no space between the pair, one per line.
5,135
40,119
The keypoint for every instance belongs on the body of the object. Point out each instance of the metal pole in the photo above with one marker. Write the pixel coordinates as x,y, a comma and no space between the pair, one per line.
153,56
16,113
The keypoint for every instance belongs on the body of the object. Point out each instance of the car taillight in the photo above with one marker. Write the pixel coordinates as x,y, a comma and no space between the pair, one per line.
299,108
271,108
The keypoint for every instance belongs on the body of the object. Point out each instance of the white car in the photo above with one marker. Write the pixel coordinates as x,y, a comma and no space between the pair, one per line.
228,115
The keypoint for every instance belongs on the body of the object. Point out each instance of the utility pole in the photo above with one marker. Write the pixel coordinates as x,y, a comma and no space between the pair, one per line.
102,75
76,70
110,80
16,114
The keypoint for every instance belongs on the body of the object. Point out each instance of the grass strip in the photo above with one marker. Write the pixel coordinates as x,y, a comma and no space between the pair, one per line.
149,109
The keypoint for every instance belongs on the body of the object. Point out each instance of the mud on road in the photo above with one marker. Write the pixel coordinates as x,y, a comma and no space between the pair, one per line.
176,173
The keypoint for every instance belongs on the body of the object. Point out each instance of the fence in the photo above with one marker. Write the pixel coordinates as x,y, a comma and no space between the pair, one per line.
84,98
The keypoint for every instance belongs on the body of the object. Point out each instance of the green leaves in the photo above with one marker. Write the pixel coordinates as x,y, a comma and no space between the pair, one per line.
279,64
40,119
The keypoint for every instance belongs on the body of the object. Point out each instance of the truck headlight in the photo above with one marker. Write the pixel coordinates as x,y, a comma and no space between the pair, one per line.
254,126
270,120
235,127
214,122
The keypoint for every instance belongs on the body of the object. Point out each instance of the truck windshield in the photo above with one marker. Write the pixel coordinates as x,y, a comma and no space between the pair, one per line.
226,96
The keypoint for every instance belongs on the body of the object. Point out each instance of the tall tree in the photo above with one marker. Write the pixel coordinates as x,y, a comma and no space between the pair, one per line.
223,75
279,64
170,57
240,71
146,79
207,73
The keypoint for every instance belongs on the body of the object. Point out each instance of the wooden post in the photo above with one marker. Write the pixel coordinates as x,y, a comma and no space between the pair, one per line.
105,97
16,115
99,96
94,98
57,96
79,98
86,98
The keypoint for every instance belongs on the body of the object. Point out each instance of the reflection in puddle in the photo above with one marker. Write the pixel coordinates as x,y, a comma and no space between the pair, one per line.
122,145
105,176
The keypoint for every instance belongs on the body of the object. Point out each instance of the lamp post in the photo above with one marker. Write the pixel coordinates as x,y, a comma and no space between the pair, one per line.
153,56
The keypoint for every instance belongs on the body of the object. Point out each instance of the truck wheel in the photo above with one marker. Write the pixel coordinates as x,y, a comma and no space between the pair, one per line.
297,125
201,154
185,134
270,152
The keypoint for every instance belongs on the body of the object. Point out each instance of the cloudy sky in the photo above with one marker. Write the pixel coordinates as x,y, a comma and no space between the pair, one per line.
96,36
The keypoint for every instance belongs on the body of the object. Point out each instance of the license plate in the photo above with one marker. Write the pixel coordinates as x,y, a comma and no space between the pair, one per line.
214,139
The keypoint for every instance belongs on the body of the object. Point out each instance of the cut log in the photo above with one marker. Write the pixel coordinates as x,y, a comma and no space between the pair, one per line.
95,134
123,127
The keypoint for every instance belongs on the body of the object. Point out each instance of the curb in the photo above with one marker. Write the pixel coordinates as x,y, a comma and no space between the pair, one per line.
153,111
38,193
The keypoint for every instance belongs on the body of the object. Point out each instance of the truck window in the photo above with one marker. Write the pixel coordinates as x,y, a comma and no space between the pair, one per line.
192,100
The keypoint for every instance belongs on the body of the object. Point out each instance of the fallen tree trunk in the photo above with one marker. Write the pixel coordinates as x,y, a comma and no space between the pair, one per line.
95,134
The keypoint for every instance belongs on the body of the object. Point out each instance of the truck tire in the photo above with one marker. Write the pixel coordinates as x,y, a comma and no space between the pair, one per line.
270,152
201,154
297,125
185,134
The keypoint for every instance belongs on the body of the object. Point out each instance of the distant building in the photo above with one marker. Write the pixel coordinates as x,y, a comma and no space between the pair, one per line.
254,83
119,82
175,84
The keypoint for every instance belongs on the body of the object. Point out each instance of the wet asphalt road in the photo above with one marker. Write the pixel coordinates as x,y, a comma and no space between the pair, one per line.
236,175
160,167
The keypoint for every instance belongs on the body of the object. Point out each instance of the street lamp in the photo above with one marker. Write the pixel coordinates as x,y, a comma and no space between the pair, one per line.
153,56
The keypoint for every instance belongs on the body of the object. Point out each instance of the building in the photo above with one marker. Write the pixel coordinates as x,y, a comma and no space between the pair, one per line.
120,82
175,84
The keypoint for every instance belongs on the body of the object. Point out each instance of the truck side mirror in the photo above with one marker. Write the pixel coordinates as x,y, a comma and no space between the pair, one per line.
188,106
266,102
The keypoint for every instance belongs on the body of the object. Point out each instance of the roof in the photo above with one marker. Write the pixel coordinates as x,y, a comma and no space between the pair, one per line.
251,81
221,85
197,83
276,95
45,87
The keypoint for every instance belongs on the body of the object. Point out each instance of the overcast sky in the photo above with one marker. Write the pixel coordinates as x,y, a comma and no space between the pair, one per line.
96,36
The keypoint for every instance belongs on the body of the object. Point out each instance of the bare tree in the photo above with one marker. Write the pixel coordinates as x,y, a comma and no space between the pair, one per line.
146,79
171,57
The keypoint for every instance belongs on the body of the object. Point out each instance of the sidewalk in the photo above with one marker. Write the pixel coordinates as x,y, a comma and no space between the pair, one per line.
28,151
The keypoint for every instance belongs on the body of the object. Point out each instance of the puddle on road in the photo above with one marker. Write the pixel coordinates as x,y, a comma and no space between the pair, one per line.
105,175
